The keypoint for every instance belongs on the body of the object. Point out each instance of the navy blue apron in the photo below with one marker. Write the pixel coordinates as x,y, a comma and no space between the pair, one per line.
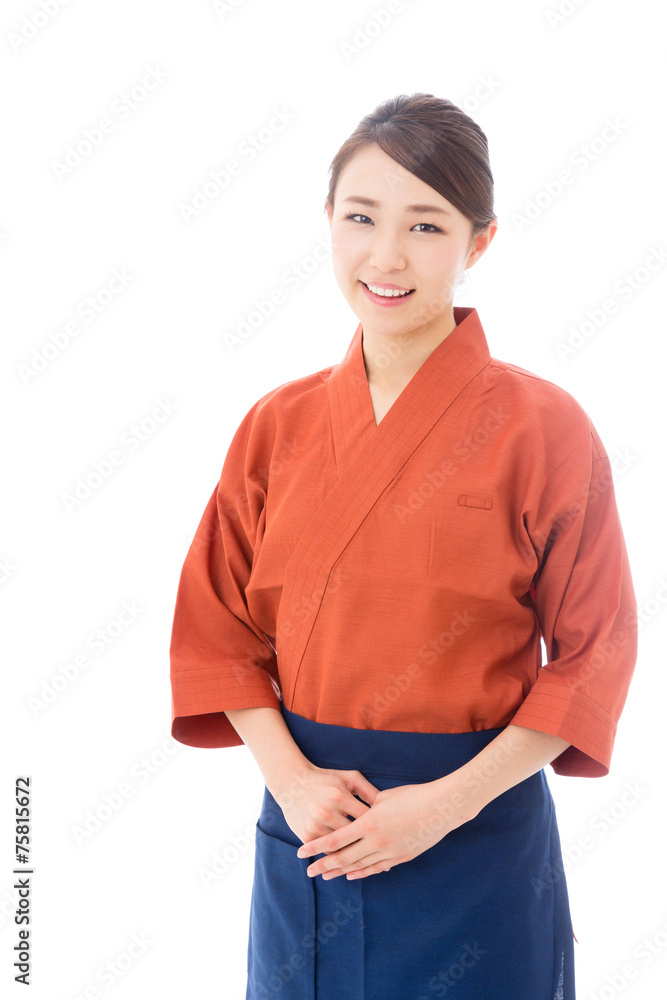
482,915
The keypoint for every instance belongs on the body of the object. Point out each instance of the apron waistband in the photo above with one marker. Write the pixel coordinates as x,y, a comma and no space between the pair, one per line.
385,753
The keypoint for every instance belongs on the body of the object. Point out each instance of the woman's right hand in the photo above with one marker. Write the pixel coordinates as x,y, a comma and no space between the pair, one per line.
319,800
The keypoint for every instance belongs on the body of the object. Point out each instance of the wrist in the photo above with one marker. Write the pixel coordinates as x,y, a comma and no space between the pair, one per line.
457,798
289,779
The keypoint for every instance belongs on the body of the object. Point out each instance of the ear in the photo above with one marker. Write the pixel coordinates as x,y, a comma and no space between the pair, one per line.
481,243
329,210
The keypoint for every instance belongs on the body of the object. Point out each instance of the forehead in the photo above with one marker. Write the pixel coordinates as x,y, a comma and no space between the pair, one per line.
373,173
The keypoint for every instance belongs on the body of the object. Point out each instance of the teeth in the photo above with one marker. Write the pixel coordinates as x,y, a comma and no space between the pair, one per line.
387,292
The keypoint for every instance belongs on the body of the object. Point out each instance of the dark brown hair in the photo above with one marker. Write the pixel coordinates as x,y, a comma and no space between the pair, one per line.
434,140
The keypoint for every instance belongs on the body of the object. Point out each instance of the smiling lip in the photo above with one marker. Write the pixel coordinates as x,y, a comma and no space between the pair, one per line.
380,284
386,301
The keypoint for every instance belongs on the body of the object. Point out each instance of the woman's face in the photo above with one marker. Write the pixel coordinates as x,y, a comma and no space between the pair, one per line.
390,243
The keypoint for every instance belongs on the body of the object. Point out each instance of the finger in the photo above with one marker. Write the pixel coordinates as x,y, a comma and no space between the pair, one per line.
365,872
353,807
333,865
344,852
329,842
356,782
326,842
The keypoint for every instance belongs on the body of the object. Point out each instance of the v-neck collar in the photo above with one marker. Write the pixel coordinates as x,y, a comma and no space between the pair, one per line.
368,458
350,403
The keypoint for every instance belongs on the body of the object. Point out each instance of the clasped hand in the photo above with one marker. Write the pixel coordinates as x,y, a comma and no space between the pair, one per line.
390,826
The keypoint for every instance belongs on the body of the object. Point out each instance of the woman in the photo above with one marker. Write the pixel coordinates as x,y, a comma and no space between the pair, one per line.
363,603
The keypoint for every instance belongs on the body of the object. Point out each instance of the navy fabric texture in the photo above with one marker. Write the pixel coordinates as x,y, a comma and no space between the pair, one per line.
482,915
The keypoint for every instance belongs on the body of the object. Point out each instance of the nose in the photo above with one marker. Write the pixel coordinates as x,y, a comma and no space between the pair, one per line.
386,254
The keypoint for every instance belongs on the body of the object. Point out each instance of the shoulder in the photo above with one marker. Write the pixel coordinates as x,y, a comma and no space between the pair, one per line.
294,393
285,407
548,410
540,394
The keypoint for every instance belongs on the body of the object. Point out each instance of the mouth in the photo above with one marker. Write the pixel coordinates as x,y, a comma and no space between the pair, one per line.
392,298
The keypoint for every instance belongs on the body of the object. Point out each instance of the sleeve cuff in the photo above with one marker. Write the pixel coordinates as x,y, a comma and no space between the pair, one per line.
200,699
554,706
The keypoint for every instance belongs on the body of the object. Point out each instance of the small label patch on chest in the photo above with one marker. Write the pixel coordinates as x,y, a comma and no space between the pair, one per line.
466,500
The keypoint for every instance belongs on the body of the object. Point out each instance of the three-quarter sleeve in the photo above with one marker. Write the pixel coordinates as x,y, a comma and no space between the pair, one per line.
586,606
219,657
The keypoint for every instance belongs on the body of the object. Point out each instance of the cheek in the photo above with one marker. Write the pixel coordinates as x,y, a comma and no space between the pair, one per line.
344,257
436,269
440,260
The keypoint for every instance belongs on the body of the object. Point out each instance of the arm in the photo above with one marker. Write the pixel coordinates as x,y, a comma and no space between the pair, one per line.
399,825
265,733
314,800
219,657
586,607
515,754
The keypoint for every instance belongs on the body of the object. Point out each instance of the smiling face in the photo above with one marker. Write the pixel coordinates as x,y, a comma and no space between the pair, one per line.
411,238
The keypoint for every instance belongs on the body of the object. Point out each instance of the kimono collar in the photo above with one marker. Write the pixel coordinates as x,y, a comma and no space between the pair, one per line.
447,369
368,458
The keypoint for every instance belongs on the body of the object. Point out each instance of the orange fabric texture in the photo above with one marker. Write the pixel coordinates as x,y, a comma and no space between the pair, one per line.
401,576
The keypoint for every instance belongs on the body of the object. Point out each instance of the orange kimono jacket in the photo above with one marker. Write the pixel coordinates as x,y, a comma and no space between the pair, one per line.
401,576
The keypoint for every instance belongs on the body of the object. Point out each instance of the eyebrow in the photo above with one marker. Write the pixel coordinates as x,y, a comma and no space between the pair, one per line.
409,208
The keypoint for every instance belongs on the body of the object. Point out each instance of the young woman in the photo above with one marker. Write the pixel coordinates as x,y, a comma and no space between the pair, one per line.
363,603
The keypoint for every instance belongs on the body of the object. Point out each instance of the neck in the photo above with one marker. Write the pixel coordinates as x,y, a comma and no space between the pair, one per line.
391,360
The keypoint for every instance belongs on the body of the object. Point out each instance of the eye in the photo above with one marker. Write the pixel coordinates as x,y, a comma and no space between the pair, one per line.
430,227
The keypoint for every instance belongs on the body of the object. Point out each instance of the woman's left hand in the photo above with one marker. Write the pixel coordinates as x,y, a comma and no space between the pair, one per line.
401,823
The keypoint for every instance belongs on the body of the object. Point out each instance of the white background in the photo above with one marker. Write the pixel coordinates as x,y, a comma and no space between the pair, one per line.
542,89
